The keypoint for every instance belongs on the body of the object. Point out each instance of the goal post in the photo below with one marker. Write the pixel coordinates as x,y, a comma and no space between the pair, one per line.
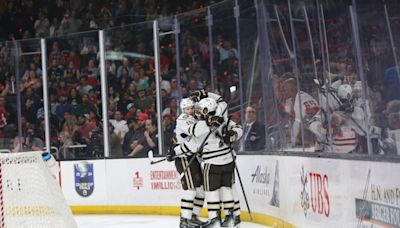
29,194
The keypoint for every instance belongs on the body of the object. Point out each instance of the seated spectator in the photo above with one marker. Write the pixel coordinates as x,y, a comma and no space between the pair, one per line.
131,111
126,66
133,136
144,101
253,132
63,107
85,127
65,151
83,86
149,141
85,107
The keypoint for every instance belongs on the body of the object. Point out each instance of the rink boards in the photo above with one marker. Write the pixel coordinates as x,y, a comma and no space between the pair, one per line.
283,191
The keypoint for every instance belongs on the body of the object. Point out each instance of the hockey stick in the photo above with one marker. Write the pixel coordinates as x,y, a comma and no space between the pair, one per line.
152,162
238,174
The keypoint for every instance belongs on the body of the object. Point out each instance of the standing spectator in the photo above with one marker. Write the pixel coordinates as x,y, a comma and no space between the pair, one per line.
42,25
253,132
115,142
120,126
53,30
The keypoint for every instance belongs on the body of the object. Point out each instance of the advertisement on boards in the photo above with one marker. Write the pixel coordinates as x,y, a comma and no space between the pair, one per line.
264,180
84,178
379,203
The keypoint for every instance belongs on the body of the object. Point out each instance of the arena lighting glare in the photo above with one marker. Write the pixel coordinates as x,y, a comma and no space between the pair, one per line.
113,55
232,89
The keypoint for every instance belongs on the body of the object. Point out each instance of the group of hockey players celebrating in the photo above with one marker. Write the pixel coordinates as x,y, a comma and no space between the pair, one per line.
339,120
203,155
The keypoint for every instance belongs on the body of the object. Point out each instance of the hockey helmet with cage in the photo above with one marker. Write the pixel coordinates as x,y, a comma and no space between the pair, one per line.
345,92
207,106
186,103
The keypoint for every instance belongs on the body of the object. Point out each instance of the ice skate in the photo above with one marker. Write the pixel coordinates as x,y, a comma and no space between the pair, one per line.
186,223
213,223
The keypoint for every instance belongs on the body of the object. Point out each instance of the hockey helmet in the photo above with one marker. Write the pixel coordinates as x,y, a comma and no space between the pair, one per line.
207,106
186,103
345,92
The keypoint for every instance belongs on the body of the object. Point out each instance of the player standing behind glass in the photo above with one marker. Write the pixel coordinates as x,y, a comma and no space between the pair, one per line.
186,147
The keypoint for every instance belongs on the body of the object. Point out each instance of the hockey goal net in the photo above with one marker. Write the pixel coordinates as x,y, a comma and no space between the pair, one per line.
29,195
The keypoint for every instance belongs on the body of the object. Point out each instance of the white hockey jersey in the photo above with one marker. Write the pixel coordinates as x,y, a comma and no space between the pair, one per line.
184,134
215,151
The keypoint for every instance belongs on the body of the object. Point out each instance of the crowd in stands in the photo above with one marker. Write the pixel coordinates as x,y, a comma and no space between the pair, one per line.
74,73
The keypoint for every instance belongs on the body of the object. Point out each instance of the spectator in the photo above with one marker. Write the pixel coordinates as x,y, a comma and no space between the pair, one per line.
63,107
144,101
120,126
115,142
83,87
85,127
133,136
65,149
42,24
3,118
149,142
125,67
253,138
131,111
85,107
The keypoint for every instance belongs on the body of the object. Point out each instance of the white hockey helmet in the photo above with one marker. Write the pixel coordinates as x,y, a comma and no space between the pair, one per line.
186,103
345,92
207,106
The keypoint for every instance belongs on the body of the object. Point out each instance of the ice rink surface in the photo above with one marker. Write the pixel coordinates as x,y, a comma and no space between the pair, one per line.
142,221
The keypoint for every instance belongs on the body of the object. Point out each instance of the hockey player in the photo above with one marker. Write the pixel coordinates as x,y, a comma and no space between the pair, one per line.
185,147
218,158
309,110
221,110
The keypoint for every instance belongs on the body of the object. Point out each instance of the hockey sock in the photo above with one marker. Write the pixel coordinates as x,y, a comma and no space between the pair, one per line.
187,203
227,199
198,200
236,207
213,203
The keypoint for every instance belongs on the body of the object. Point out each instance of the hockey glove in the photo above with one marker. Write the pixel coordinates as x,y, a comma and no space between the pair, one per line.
230,137
214,121
171,152
198,95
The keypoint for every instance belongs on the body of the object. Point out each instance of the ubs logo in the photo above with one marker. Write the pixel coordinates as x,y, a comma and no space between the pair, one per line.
315,191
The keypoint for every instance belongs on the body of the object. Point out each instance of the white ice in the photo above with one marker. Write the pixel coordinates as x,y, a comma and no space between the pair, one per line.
142,221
